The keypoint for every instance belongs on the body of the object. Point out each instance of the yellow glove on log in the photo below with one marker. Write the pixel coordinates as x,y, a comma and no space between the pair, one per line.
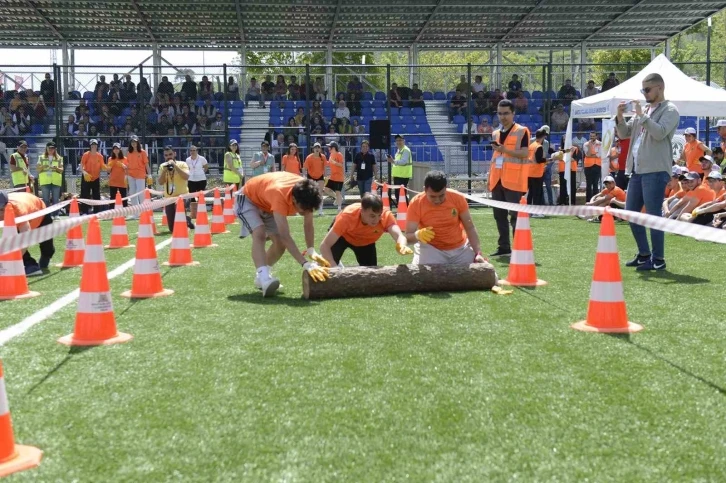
316,257
403,249
316,272
425,235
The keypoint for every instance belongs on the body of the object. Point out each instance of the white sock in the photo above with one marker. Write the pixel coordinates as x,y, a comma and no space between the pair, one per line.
263,272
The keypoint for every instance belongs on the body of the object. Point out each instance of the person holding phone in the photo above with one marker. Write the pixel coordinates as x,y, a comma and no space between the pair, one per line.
402,167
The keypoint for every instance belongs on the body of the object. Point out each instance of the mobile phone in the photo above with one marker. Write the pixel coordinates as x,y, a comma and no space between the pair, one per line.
629,106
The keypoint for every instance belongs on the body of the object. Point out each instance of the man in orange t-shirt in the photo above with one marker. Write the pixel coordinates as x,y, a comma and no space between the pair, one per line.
314,167
611,196
24,204
263,207
708,212
337,174
693,151
91,164
358,227
440,225
696,195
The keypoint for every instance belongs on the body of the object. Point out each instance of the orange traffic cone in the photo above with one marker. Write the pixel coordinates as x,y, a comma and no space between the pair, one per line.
147,197
374,186
75,247
146,282
13,457
95,321
228,212
606,311
202,235
164,219
217,216
402,211
119,234
13,282
181,253
384,197
522,272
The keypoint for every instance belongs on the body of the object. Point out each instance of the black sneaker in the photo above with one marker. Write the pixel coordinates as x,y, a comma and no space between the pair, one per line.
638,261
501,253
652,264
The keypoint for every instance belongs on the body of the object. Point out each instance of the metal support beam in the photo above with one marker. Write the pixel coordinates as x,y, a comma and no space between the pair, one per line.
66,60
240,24
71,68
428,21
156,65
146,25
413,76
335,21
668,49
608,24
499,67
652,53
329,80
522,20
45,20
243,70
583,66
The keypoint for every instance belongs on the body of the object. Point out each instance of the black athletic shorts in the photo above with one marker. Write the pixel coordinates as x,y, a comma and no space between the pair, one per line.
316,179
334,185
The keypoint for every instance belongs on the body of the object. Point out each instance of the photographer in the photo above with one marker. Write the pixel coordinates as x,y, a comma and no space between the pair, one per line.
173,176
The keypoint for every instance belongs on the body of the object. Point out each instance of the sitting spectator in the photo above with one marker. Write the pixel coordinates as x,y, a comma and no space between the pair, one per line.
101,89
394,97
694,194
342,111
128,89
291,128
268,88
319,89
293,89
416,98
354,105
232,89
463,86
332,135
80,110
22,119
469,128
357,129
188,89
567,93
457,106
163,126
317,123
254,94
520,103
484,129
334,122
207,109
316,110
47,90
591,90
163,111
481,104
206,88
202,123
345,129
114,86
40,112
559,118
712,213
611,196
178,122
188,113
165,87
280,89
170,139
355,86
610,82
494,98
116,106
514,86
176,106
128,130
300,119
16,102
478,86
586,124
144,90
9,131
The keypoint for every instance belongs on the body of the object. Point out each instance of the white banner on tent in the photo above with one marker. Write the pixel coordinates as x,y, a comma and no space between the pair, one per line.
608,139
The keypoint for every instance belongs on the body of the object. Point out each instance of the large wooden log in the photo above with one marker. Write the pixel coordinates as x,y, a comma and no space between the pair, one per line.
372,281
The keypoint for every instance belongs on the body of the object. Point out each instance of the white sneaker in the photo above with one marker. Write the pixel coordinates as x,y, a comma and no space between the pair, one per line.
536,215
270,286
258,285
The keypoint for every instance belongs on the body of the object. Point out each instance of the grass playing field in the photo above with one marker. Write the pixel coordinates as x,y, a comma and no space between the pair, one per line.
222,385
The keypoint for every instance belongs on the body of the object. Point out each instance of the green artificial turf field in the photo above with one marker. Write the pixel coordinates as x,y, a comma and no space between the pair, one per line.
222,385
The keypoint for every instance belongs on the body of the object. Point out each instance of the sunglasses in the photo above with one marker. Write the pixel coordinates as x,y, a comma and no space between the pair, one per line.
646,90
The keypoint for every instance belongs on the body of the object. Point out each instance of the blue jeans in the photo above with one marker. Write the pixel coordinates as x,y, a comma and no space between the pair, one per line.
51,195
549,199
647,190
364,186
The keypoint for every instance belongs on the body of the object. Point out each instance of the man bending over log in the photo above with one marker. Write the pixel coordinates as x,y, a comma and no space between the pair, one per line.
440,225
358,227
263,207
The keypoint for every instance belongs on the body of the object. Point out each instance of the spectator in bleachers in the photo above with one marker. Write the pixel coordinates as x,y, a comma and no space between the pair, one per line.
143,89
165,87
293,89
481,104
394,97
345,129
207,110
457,105
494,98
114,85
591,90
469,128
567,93
128,130
206,88
188,113
463,86
610,82
332,134
354,105
93,131
9,131
355,86
520,103
112,136
15,102
342,111
280,89
253,94
291,128
178,122
317,123
315,110
484,129
128,89
478,86
586,124
514,86
278,148
268,88
416,97
559,118
319,89
23,121
115,106
47,90
188,89
81,109
233,90
357,129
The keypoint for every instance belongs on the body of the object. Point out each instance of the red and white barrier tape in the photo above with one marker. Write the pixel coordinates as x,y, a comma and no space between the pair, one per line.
12,190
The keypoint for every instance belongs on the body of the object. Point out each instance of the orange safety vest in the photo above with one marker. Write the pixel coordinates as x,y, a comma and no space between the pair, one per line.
573,163
692,152
591,158
514,172
536,170
614,165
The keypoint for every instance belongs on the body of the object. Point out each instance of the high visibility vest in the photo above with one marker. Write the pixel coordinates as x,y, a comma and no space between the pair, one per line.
693,152
614,165
19,177
591,157
536,170
50,177
232,176
573,163
405,171
514,172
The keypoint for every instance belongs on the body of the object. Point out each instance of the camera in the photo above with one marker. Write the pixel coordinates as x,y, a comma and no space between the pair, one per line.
170,166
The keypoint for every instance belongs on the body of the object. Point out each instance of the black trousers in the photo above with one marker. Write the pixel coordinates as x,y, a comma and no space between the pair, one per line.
397,191
171,215
47,249
592,181
197,186
90,190
621,181
112,190
535,192
365,255
500,193
565,196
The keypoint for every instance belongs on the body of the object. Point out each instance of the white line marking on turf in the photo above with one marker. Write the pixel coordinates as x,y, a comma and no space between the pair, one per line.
6,335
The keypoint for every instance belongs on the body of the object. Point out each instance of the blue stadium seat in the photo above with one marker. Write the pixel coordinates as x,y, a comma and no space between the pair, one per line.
419,111
36,129
378,103
380,96
407,119
88,96
367,96
199,103
527,94
428,96
537,95
366,104
701,124
405,111
219,96
439,96
523,118
449,95
458,119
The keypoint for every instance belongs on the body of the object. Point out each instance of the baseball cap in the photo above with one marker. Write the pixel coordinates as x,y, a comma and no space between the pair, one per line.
545,128
676,171
117,145
94,141
50,144
608,179
333,144
134,138
317,145
22,143
398,136
706,157
692,176
233,141
690,130
714,175
717,150
721,123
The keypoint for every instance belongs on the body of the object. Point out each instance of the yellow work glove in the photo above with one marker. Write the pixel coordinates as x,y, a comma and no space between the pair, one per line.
316,257
695,212
425,235
316,272
403,249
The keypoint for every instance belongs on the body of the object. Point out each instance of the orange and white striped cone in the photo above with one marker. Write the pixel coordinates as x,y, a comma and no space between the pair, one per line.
606,311
228,213
385,198
522,271
374,186
95,321
13,457
146,282
218,225
147,197
75,246
119,233
164,219
180,254
202,233
13,282
402,212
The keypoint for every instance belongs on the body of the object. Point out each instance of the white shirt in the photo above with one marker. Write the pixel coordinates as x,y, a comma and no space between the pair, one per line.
478,86
196,168
344,112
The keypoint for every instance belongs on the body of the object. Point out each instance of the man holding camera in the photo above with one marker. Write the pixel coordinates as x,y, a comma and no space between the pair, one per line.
173,176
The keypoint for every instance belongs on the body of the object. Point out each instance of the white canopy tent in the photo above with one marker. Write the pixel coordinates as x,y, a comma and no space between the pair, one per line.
692,98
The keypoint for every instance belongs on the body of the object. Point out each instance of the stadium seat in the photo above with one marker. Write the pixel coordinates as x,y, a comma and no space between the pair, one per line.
88,96
36,129
219,96
537,95
449,95
527,94
367,96
439,96
378,103
428,96
380,96
395,112
458,119
419,111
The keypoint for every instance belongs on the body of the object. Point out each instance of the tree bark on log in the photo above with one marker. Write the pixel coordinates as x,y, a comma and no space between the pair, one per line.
372,281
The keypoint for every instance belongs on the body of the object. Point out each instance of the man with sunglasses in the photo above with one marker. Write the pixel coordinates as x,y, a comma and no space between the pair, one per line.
649,162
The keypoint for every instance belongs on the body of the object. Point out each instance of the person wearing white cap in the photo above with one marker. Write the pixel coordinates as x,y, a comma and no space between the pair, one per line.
693,151
721,130
705,214
91,165
611,196
697,194
674,185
